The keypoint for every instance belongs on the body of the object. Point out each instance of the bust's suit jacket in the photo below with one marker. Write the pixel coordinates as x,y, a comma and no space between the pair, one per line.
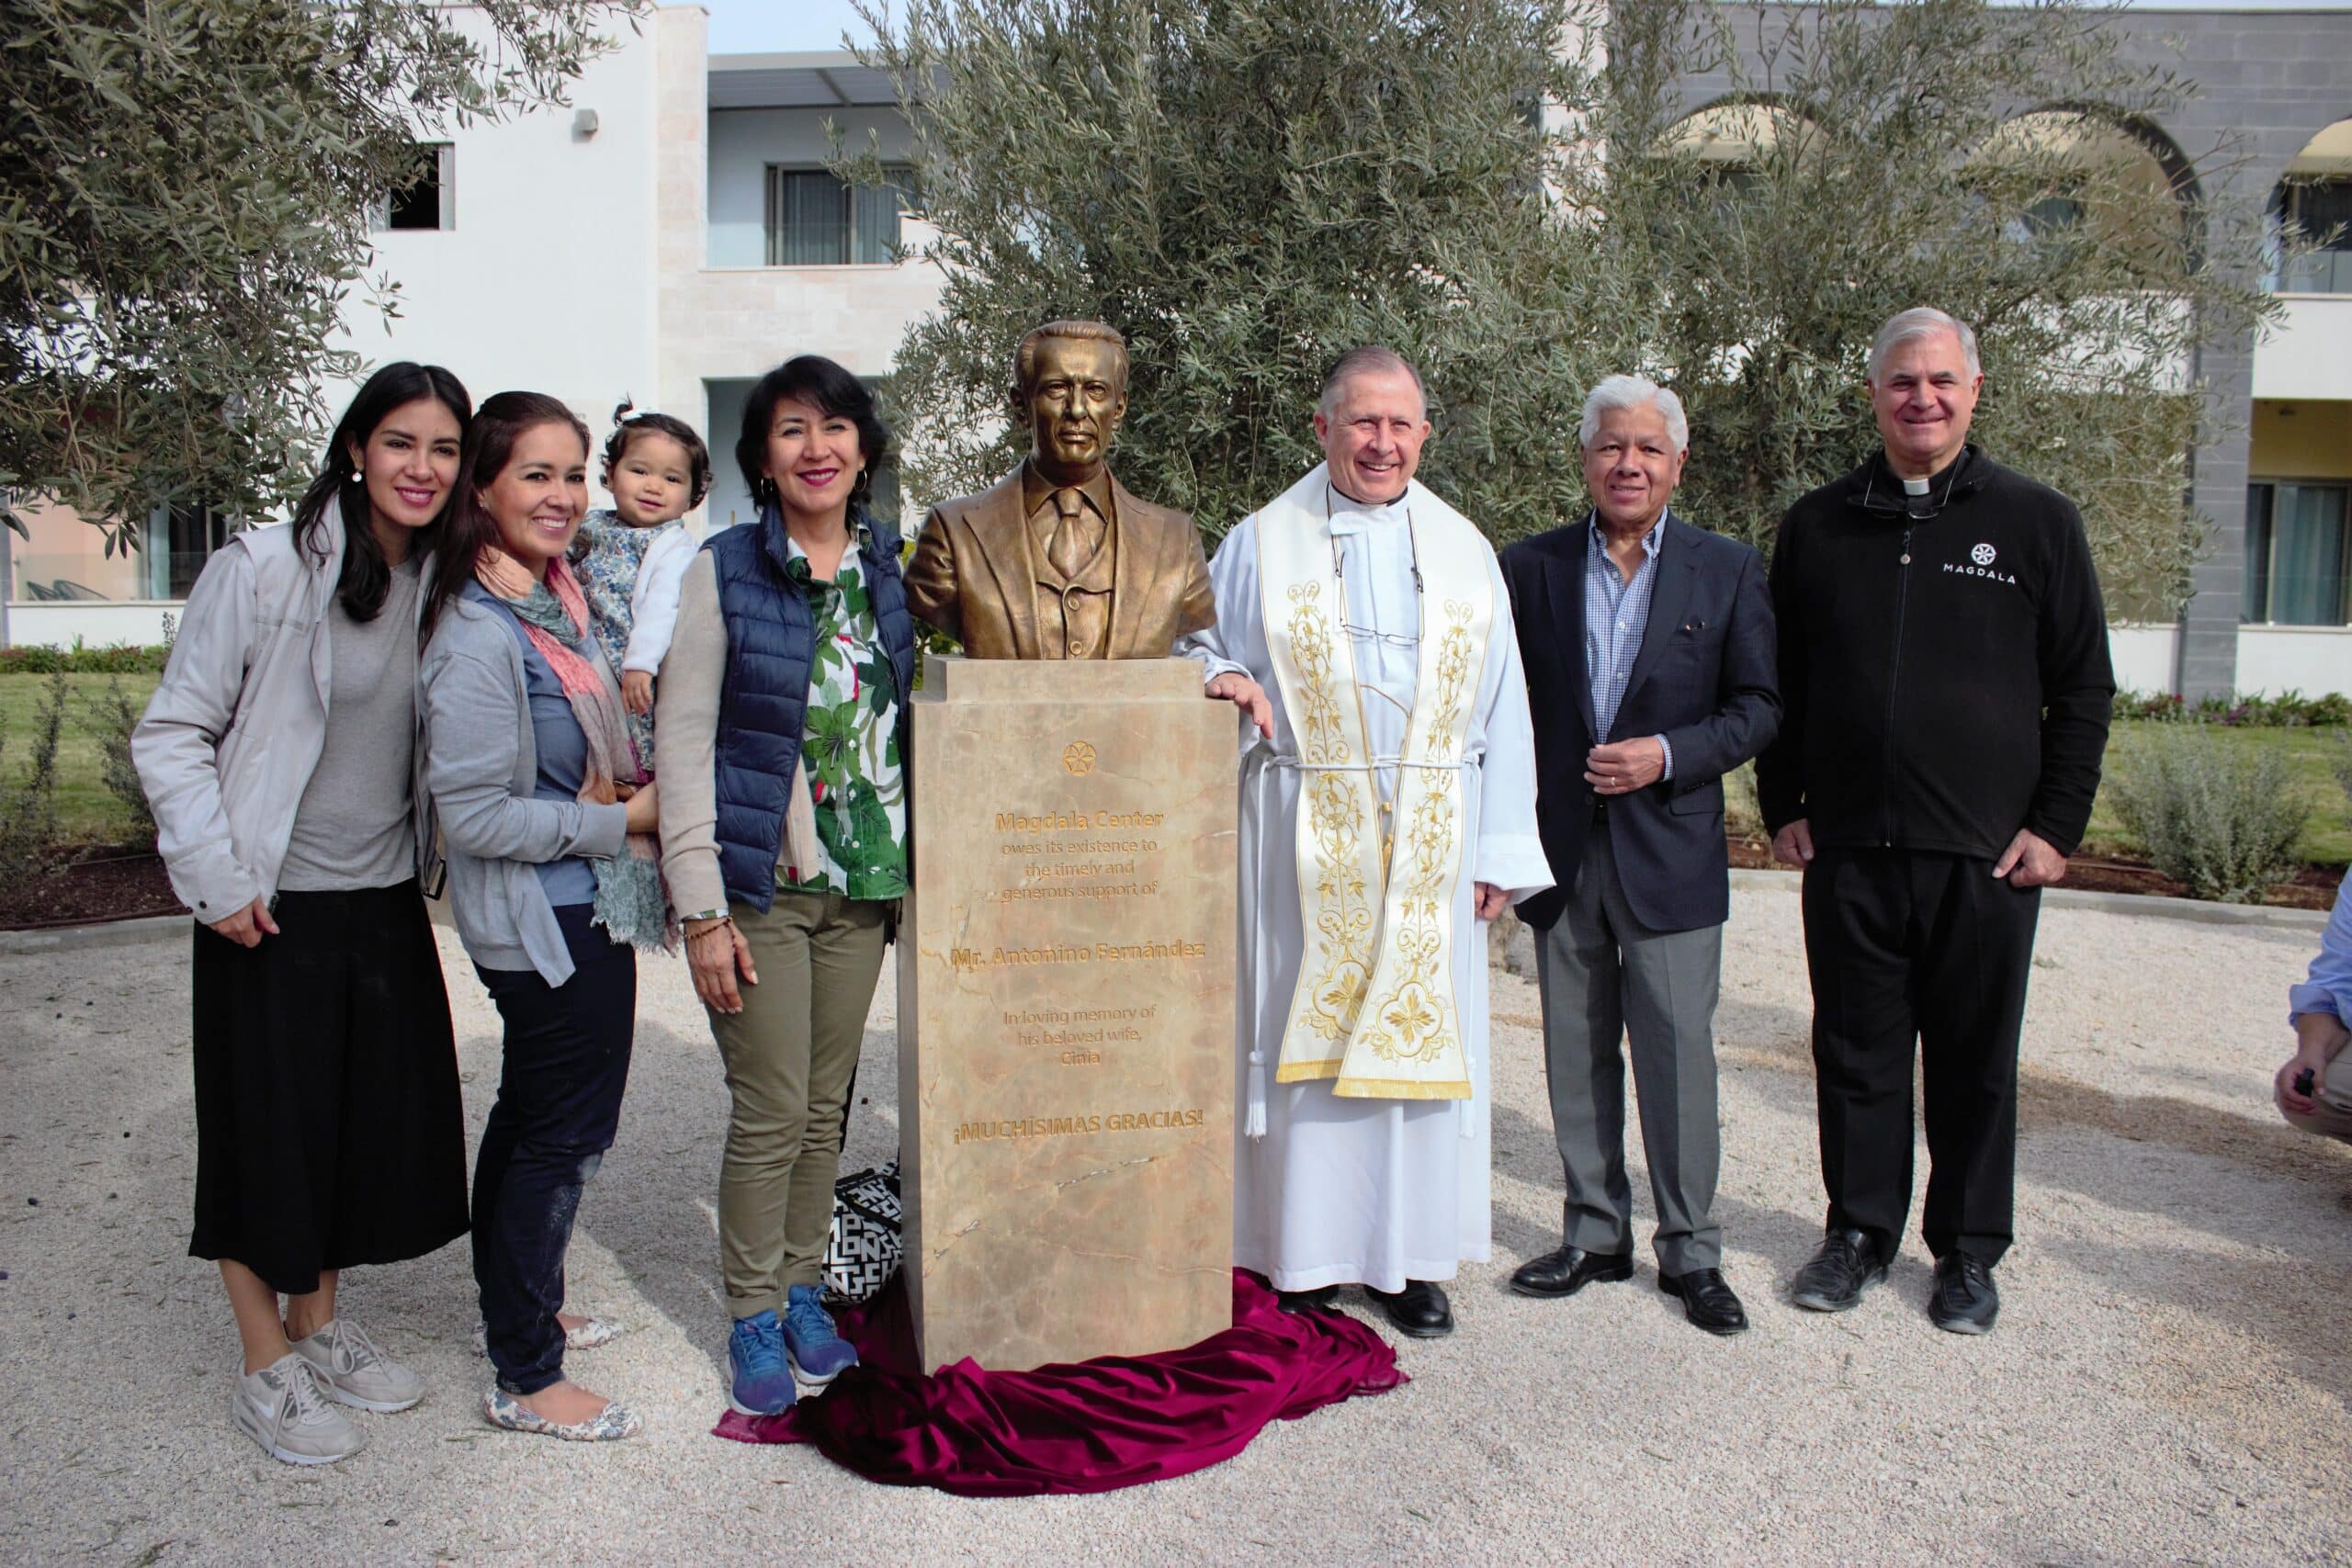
974,576
1704,678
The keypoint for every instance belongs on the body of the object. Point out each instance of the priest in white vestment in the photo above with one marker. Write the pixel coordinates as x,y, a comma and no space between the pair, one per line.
1387,812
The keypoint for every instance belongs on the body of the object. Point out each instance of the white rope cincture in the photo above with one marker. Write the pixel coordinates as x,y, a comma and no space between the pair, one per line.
1254,1124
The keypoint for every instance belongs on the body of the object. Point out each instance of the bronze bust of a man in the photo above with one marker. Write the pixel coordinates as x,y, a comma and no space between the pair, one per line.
1057,559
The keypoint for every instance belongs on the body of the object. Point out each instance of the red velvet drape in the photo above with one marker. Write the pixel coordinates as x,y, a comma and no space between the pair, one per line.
1091,1427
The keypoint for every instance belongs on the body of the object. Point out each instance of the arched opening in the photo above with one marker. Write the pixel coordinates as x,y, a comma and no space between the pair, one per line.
1726,146
2311,213
2072,174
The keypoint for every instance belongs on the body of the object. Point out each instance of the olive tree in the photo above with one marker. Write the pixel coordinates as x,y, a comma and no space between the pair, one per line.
1512,192
1862,159
186,190
1245,188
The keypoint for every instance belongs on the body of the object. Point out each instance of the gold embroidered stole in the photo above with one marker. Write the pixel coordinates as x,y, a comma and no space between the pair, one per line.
1375,1006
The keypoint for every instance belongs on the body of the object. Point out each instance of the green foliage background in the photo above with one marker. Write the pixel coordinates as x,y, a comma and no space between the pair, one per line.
1248,187
1244,187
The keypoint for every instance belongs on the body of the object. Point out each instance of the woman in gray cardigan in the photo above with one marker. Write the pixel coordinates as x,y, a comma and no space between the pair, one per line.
552,878
279,757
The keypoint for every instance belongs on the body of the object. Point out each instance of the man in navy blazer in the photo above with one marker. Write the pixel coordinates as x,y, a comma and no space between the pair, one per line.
1649,650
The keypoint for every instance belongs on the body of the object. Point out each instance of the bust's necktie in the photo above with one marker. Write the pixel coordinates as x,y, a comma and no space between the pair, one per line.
1073,542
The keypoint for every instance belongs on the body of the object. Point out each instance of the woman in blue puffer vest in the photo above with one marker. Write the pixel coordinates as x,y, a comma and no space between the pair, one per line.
779,723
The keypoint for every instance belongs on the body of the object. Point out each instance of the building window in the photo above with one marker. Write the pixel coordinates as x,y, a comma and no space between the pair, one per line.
2322,210
429,200
179,540
2298,548
816,218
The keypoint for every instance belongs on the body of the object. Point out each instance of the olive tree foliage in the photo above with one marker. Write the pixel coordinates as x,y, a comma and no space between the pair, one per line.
1245,188
185,195
2001,163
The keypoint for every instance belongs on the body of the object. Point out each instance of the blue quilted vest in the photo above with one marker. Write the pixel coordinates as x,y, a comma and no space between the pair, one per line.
771,643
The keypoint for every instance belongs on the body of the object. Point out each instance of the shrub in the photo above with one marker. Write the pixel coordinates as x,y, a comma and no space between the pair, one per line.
112,719
28,806
122,659
2223,820
2288,710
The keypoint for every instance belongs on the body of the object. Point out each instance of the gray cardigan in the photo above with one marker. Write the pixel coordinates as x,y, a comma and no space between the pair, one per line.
483,765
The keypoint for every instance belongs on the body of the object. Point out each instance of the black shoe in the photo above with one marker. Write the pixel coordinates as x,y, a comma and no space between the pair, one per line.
1420,1309
1568,1269
1839,1272
1318,1300
1964,1300
1707,1301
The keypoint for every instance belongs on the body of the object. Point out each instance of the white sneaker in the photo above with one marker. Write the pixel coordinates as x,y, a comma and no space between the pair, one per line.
280,1408
352,1370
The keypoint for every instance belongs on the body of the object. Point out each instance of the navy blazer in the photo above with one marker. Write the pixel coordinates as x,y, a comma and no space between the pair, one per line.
1704,678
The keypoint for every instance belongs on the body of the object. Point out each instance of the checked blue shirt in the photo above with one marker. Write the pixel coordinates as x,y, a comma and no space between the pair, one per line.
1616,613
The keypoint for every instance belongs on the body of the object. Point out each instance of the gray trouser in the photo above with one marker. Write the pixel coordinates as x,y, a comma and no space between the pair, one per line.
1603,975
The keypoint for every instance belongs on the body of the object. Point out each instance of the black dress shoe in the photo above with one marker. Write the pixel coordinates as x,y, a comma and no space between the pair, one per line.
1565,1271
1840,1270
1707,1301
1317,1300
1964,1300
1420,1309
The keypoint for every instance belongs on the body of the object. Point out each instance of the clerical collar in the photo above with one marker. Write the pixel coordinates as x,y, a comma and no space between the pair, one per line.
1348,514
1035,490
1884,490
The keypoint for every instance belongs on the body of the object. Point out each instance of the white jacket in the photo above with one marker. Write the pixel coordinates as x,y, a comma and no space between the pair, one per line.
230,740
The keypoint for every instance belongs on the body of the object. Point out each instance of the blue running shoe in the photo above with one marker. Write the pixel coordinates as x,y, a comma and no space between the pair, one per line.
763,1381
818,1353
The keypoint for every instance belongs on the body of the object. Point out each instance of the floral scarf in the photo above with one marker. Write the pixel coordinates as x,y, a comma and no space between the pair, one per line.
631,902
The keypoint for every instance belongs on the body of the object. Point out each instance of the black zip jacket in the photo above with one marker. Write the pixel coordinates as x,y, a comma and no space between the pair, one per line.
1944,679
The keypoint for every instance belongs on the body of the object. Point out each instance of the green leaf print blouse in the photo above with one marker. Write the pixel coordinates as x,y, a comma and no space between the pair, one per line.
849,745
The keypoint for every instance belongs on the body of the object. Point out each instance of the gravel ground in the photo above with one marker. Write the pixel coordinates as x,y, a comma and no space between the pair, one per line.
2167,1382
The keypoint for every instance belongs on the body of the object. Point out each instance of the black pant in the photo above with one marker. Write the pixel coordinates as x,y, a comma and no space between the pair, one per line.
1906,944
558,1103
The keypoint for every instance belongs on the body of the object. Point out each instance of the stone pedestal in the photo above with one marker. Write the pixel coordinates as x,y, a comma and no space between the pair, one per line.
1066,994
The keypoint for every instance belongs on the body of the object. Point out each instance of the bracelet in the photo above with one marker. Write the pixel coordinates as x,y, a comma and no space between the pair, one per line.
709,924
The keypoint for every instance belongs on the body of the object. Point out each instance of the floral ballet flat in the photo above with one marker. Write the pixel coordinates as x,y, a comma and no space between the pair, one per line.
610,1424
592,1335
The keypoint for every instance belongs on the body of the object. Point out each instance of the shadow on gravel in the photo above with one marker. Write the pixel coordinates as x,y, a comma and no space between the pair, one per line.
656,1201
2281,1302
2256,1139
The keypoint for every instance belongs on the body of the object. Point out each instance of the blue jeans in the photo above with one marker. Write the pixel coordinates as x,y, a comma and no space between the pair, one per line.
558,1103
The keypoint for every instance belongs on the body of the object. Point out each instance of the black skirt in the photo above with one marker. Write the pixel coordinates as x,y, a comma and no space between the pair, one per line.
329,1131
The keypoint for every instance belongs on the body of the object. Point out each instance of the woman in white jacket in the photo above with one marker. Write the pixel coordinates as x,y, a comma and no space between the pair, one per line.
280,755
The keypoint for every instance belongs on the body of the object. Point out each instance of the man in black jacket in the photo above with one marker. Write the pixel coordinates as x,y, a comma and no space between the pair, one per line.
1648,650
1944,667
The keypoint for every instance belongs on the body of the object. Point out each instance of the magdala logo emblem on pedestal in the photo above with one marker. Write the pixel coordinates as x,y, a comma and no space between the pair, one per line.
1079,757
1982,555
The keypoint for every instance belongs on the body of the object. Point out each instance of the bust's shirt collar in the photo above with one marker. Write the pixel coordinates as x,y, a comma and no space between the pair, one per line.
1035,490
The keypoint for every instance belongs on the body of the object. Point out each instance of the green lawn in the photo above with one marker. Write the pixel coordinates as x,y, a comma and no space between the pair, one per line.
89,812
85,812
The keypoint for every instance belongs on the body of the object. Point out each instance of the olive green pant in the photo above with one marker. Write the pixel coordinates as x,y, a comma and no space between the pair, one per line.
790,1055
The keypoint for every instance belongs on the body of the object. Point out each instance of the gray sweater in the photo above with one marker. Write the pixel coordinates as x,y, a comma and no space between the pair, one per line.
481,766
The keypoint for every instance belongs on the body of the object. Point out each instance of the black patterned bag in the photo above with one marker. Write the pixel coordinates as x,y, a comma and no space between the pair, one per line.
864,1250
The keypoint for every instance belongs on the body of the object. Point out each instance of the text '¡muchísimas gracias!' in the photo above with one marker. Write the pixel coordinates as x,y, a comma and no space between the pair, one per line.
1069,1126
